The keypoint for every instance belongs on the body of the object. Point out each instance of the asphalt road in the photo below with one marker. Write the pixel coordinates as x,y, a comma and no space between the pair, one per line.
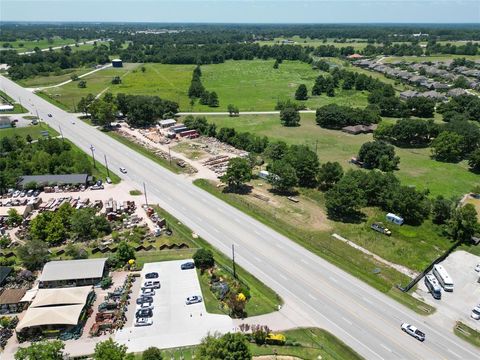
328,297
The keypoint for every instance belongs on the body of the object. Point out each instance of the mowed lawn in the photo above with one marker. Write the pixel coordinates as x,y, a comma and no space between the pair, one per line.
416,167
29,45
251,85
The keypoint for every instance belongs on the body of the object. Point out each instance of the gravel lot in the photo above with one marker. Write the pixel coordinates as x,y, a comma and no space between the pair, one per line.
457,305
174,323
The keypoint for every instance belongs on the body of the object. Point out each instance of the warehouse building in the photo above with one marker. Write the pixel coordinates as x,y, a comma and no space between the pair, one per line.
68,273
52,180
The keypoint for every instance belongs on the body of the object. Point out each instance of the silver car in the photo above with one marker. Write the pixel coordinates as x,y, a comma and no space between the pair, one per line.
151,284
193,299
148,292
143,322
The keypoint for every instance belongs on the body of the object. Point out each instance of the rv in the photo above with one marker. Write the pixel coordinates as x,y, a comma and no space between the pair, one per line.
443,278
395,219
433,286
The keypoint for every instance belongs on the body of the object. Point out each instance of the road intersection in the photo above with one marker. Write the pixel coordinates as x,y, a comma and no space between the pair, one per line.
315,291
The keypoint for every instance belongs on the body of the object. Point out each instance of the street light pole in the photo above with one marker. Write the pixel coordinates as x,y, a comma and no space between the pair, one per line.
61,133
233,261
92,148
145,193
106,165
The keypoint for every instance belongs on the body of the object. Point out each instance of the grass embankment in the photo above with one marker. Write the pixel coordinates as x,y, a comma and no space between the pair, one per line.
467,333
312,343
44,43
374,273
249,84
52,79
17,108
35,131
263,299
147,153
416,167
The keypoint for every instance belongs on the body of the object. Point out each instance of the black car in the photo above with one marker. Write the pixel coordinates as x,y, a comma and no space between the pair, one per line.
144,313
144,299
152,275
49,115
187,266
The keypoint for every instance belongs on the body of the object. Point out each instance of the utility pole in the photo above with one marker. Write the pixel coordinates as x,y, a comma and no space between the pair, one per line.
93,155
316,145
145,193
233,261
61,133
169,156
106,164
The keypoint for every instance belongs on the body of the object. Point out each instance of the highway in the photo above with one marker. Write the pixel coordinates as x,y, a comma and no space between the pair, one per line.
317,291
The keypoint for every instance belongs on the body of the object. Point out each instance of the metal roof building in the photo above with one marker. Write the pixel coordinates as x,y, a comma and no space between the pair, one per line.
72,272
66,179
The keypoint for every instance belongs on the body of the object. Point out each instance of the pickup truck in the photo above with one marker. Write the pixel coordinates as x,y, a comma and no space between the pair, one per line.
413,331
380,228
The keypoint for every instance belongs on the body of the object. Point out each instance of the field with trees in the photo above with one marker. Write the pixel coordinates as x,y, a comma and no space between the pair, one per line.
415,168
30,45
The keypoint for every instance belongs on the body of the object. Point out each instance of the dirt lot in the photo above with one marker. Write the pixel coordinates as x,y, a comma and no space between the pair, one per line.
457,305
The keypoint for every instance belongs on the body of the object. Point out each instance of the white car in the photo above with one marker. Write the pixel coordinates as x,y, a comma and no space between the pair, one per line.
143,322
148,292
123,170
144,305
413,331
476,312
193,299
477,268
155,284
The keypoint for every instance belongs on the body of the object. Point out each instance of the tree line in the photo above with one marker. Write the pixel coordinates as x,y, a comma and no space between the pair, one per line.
198,91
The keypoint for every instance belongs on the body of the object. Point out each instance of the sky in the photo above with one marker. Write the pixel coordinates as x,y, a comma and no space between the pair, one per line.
244,11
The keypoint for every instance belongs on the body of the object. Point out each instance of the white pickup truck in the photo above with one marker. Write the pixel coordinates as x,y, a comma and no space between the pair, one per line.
413,331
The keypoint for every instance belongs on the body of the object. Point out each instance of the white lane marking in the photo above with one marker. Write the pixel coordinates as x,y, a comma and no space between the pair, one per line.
333,279
367,301
304,261
219,209
183,208
237,220
257,258
283,276
386,348
256,232
312,297
453,353
168,198
204,200
216,230
278,245
347,321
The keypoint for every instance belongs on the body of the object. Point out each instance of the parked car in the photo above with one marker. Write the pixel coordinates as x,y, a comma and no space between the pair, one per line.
108,180
193,299
148,292
49,115
413,331
29,192
123,170
378,226
143,322
144,313
16,193
144,299
23,193
476,312
145,305
187,266
151,284
152,275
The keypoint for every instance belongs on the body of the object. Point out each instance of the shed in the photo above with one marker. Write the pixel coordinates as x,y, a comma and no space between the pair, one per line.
395,219
72,273
117,63
5,122
11,301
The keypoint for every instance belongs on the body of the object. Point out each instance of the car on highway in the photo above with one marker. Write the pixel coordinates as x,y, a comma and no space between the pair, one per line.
193,299
475,313
144,313
148,292
73,122
144,299
155,284
187,265
49,115
151,275
413,331
477,268
143,322
123,170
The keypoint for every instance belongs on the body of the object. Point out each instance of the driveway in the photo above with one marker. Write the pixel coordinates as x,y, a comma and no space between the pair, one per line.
174,323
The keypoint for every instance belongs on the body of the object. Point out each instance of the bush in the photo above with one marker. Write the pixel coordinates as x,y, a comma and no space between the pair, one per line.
203,259
106,282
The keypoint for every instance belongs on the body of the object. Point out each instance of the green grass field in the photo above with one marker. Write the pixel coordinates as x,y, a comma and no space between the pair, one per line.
250,85
357,45
28,45
49,80
17,108
416,166
34,131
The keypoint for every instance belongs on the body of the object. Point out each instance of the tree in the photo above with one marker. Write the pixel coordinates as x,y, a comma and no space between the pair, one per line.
463,223
110,350
301,93
14,219
276,150
238,172
421,107
45,350
116,80
447,147
441,210
82,84
345,199
213,99
329,174
290,117
378,154
414,206
74,77
306,165
143,69
282,176
33,254
125,252
461,82
232,110
276,64
103,112
203,259
152,353
474,161
227,347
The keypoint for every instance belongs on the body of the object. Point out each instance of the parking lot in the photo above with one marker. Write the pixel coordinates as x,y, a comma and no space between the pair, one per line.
174,323
457,305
